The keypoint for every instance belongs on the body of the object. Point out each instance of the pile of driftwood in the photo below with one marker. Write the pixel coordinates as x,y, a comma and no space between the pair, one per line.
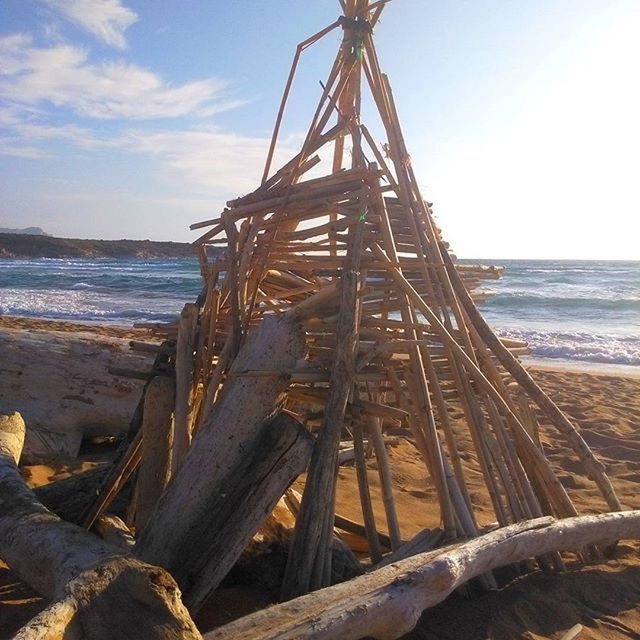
333,312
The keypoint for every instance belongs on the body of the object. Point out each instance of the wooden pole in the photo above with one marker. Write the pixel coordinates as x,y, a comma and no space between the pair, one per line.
157,440
184,383
306,569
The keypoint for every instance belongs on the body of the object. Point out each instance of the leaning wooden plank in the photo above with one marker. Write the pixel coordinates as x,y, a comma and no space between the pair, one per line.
98,591
387,603
184,383
240,505
157,439
224,440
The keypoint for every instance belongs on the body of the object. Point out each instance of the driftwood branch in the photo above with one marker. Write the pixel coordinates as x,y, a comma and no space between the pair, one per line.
93,585
388,602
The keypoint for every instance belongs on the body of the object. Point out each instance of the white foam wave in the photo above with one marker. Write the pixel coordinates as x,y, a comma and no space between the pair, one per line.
597,348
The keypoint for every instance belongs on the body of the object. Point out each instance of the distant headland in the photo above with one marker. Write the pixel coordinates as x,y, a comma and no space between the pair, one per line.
28,243
27,231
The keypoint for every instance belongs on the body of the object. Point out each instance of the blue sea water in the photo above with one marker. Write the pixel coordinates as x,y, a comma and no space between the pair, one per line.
110,290
572,310
585,311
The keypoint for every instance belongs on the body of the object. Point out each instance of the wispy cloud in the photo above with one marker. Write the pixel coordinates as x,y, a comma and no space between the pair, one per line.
18,150
55,98
206,158
107,20
63,76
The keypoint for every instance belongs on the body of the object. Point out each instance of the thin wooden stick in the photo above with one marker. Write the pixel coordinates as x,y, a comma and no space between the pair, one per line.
306,568
592,465
365,495
384,471
299,49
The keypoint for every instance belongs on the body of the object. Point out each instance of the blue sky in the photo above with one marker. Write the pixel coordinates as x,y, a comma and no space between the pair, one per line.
134,119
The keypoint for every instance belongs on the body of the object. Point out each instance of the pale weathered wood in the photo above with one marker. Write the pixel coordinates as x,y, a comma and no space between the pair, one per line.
222,444
157,439
61,384
12,434
114,531
239,506
184,383
98,591
386,603
120,597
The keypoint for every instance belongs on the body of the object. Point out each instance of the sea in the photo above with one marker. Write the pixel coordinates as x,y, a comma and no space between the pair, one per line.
568,311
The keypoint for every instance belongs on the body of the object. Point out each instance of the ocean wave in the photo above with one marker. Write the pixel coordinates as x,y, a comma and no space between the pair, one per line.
88,304
533,300
583,346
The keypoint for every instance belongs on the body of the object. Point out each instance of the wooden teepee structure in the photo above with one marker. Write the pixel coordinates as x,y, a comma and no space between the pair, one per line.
352,254
392,329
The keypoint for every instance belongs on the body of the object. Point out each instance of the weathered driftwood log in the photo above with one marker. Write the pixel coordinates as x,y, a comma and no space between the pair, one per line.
387,603
239,506
98,591
157,437
217,462
60,382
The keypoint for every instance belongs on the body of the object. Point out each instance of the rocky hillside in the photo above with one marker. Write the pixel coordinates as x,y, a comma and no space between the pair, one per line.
27,231
35,246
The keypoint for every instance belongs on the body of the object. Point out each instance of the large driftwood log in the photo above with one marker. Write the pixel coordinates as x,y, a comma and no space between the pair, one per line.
240,505
388,602
60,382
98,591
215,461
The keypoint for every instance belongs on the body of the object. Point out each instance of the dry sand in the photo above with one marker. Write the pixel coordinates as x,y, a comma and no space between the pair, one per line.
603,597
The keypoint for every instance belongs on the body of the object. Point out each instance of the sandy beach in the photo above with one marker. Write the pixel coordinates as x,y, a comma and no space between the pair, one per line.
603,597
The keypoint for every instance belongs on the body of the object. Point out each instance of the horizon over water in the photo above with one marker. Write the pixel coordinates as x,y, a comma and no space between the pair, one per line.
567,310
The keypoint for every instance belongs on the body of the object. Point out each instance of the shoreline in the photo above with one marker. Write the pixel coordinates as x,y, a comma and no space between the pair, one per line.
581,366
30,323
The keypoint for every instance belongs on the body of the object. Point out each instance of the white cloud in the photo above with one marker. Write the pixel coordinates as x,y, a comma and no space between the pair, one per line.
80,136
105,19
207,158
17,150
62,75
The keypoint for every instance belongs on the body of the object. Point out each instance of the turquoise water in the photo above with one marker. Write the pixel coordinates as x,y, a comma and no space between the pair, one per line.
584,311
